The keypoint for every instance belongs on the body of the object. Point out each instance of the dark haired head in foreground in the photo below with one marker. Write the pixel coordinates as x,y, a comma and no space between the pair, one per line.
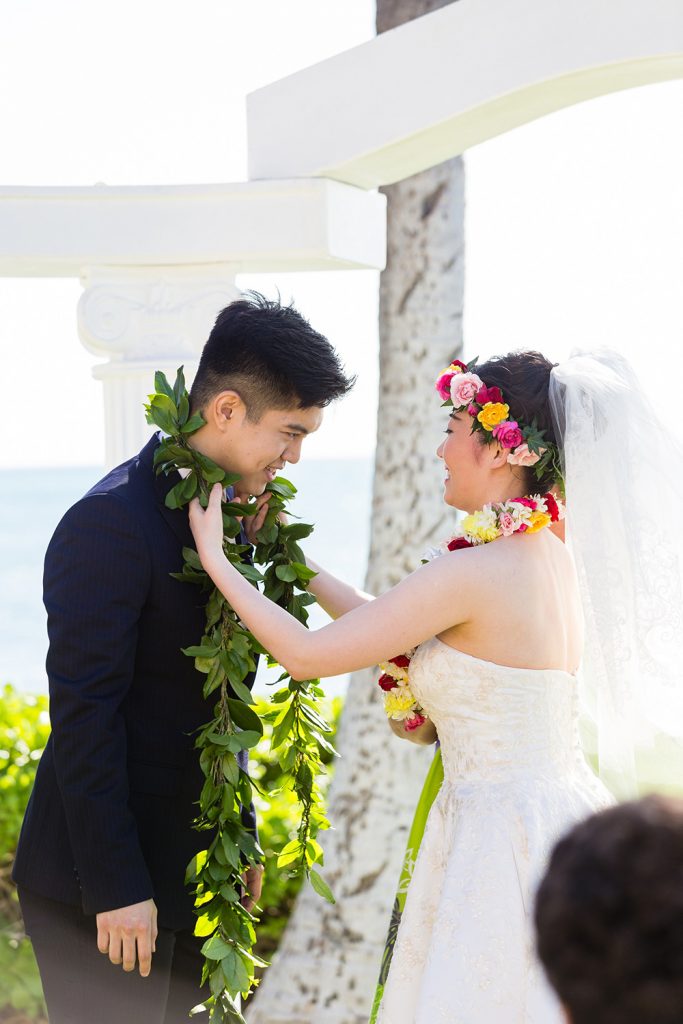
263,380
609,916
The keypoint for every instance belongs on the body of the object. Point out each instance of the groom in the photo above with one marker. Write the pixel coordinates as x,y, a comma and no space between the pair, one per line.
108,832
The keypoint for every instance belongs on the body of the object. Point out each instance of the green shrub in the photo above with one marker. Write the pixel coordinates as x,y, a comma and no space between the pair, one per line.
24,729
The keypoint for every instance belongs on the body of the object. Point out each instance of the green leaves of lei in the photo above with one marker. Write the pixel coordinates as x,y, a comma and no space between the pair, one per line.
226,654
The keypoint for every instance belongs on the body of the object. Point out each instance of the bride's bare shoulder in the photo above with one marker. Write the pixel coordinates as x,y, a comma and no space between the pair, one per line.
515,558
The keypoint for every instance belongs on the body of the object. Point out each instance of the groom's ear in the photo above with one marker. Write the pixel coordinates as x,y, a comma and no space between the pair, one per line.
225,411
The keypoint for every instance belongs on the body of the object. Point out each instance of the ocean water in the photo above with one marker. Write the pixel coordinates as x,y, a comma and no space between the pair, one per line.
333,494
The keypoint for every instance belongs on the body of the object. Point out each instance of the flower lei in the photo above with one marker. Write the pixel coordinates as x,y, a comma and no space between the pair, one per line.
226,655
461,388
501,519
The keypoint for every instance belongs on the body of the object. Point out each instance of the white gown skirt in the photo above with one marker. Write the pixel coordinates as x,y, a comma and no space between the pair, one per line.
465,951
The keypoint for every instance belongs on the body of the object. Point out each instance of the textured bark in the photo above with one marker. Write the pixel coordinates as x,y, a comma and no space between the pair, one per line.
326,969
421,294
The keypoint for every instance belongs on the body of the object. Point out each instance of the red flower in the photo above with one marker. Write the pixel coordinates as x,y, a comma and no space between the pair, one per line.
457,543
473,410
414,722
400,660
485,395
553,509
386,682
457,362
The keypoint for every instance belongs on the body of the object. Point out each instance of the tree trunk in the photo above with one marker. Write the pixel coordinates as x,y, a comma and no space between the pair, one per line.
328,962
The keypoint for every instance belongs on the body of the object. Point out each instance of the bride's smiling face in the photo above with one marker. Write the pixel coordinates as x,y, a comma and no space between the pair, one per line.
466,464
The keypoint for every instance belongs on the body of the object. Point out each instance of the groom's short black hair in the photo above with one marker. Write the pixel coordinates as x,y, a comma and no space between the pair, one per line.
271,356
609,915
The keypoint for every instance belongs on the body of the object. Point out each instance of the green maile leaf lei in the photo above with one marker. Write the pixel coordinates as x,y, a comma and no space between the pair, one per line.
226,654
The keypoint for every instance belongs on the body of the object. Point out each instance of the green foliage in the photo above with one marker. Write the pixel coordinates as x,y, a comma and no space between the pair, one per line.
226,656
24,729
278,817
21,993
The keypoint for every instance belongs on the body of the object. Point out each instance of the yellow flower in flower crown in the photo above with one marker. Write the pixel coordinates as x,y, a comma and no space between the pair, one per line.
537,520
492,414
481,525
399,703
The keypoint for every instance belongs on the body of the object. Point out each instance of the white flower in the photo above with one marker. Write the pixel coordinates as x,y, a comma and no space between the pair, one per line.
520,513
435,551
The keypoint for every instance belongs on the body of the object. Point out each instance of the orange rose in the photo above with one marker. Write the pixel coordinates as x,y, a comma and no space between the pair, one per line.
492,414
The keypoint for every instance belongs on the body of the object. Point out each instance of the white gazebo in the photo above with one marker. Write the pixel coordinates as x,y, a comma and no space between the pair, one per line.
156,263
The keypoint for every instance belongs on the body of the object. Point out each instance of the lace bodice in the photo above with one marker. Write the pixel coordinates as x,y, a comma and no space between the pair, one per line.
497,723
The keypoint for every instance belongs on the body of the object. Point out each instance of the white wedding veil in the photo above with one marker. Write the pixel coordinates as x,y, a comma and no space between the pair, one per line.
623,471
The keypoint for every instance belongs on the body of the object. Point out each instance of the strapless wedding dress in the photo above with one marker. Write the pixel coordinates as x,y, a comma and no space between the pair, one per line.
514,780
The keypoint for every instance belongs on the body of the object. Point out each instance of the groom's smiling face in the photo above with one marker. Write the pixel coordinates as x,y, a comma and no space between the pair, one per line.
256,449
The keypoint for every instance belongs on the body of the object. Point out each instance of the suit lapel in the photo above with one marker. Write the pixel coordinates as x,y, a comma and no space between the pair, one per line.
175,517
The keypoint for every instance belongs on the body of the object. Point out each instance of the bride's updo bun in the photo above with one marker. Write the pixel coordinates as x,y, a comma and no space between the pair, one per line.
524,379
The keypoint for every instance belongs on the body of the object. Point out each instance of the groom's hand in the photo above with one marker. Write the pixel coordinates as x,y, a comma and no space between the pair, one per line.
254,523
253,884
128,931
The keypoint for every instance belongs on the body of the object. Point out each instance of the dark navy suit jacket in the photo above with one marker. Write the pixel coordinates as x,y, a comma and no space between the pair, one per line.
109,819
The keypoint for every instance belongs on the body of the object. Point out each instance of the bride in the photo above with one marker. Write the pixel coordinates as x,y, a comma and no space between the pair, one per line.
493,630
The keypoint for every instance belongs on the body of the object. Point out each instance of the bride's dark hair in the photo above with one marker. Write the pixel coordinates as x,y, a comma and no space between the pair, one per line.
524,379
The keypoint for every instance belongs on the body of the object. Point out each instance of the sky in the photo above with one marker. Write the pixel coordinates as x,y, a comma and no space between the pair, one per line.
573,223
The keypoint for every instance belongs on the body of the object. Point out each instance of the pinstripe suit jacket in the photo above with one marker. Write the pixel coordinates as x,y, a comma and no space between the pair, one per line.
109,820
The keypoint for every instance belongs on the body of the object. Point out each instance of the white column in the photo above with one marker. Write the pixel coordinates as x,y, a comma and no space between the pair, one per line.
146,319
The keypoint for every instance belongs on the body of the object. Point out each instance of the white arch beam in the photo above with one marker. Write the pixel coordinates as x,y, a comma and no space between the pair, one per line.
157,263
428,90
251,226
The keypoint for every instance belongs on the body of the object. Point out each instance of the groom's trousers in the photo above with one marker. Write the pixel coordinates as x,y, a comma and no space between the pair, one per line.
82,986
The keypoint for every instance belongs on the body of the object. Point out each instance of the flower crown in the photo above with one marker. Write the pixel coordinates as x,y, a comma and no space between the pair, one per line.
461,388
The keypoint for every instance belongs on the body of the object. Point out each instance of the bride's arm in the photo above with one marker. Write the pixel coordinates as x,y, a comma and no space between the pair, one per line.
426,603
332,594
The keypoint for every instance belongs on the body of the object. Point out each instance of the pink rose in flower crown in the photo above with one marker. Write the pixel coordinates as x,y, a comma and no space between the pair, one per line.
414,722
508,434
522,456
443,383
485,395
473,410
464,388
